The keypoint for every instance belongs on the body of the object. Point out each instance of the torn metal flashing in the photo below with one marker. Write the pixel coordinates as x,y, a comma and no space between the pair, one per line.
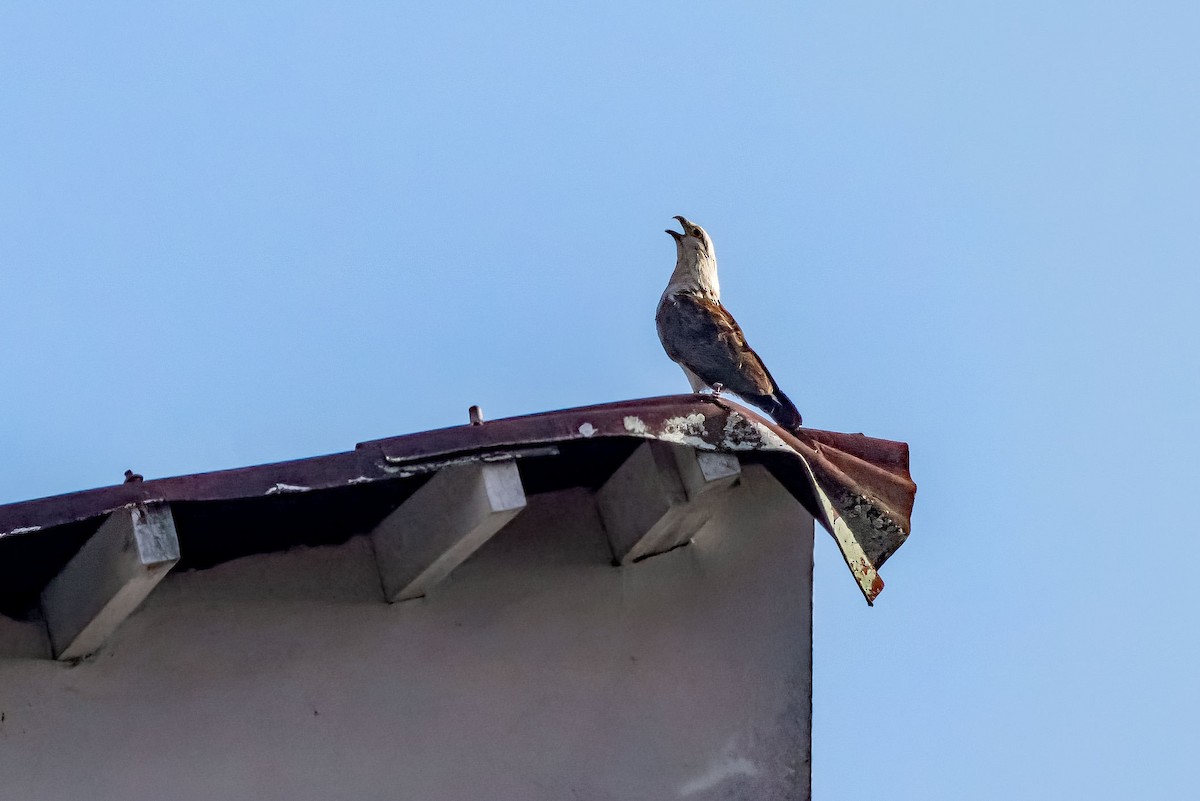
858,487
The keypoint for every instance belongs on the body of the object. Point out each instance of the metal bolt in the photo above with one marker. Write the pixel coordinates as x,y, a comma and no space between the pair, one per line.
476,415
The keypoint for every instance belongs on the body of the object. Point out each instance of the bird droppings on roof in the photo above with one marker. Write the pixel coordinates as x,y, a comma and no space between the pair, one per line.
864,572
855,506
587,429
685,430
743,434
634,425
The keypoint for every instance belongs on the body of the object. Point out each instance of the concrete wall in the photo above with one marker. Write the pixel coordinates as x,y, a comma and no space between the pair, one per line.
536,671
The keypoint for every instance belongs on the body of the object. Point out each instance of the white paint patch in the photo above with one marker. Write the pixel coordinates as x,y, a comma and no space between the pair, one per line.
634,425
279,488
22,530
411,469
685,430
143,503
587,429
724,768
421,468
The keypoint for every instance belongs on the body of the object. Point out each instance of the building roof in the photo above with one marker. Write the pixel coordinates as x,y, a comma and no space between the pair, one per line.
859,488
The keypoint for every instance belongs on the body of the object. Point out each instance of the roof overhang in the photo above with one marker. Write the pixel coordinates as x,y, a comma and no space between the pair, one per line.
858,487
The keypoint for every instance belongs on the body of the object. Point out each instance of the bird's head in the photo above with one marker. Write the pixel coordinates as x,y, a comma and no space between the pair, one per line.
693,242
695,260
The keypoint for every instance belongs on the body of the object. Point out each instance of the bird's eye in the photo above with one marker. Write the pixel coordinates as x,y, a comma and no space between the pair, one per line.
698,234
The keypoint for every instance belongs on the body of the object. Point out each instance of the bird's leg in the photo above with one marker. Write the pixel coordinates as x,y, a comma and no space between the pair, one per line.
698,385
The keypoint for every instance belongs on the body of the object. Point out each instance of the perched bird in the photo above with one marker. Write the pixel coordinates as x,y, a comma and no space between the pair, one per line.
704,339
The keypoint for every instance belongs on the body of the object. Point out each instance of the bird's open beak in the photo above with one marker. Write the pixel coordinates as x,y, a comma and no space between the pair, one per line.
683,222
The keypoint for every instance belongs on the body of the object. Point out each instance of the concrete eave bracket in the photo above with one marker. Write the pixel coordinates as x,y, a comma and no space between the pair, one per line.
106,580
661,496
443,523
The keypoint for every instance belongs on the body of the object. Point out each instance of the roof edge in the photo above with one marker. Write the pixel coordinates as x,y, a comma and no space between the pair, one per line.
862,486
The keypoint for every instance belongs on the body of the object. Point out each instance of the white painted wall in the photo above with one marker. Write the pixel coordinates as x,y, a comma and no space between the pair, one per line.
537,670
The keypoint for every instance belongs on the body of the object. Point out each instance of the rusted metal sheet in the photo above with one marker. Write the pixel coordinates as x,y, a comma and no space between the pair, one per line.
858,487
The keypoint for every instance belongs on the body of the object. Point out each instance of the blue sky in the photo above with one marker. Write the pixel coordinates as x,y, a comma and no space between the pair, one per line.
235,233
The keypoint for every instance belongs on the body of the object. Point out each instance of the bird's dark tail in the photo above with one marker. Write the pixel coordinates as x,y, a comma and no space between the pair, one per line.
780,407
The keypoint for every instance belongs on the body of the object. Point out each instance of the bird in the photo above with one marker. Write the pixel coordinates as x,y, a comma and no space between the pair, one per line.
702,337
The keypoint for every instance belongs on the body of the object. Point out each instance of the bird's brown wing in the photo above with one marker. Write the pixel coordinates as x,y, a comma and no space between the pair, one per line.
699,334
